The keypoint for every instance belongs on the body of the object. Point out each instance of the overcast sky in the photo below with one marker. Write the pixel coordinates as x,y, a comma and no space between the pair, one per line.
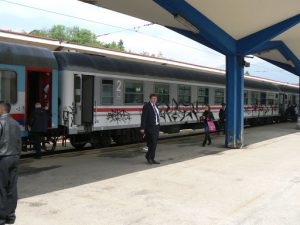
152,39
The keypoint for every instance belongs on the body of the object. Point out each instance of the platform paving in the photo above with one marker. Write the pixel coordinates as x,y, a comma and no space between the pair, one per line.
193,185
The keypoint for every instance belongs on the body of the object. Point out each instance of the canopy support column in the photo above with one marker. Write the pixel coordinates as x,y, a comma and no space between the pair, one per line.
234,101
298,120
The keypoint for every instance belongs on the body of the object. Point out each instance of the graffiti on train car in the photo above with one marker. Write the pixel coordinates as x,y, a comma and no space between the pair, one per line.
261,110
117,115
177,112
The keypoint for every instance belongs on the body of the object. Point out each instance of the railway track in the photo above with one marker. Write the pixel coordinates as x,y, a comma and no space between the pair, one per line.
69,149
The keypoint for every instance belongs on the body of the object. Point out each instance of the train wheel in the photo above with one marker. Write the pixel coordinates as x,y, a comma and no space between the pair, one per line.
78,146
123,137
99,140
95,140
77,142
105,140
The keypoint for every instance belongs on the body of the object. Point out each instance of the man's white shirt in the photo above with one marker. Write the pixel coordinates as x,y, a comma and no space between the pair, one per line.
156,113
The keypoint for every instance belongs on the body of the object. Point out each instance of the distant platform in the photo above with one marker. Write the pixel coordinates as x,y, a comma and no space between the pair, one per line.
212,185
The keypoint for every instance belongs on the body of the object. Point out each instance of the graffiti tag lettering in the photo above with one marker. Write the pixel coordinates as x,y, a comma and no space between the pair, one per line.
117,115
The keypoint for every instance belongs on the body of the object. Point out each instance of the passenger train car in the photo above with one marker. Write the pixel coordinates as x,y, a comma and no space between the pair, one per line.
28,75
96,99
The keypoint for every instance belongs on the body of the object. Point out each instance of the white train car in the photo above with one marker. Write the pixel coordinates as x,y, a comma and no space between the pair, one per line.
101,98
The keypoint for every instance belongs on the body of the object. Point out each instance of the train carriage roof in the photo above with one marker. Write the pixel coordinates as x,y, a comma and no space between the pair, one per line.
18,54
290,89
95,64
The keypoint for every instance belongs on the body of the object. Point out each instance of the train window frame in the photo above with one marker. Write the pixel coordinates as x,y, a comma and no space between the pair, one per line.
180,95
14,89
107,83
255,96
263,101
271,98
246,97
77,88
218,102
205,96
141,93
163,96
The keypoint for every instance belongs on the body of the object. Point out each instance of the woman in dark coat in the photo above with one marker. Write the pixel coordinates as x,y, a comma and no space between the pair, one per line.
206,116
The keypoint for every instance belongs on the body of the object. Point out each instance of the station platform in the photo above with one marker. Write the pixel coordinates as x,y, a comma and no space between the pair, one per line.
193,185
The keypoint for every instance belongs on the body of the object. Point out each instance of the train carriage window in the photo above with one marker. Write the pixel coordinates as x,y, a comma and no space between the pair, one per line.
270,98
8,86
246,97
203,94
263,98
163,93
219,96
254,98
107,97
134,92
184,94
77,88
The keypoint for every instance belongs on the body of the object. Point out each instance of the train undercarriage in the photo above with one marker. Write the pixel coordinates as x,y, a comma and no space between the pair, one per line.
106,138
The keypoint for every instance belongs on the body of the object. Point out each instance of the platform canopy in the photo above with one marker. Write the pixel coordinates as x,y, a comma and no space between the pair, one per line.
268,29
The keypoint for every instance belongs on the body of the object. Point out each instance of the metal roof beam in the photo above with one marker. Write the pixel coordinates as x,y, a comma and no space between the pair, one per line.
196,38
249,43
289,55
284,50
209,32
270,45
282,65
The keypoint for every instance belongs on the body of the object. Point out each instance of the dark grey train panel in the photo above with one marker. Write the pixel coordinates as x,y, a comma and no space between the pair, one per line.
289,89
17,54
95,64
87,99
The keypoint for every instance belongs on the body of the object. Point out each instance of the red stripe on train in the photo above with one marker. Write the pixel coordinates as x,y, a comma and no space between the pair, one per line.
17,116
140,109
134,109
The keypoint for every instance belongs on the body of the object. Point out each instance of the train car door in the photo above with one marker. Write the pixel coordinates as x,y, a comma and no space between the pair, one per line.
87,100
282,100
38,89
77,99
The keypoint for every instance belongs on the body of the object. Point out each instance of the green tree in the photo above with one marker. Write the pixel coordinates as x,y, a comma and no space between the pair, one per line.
59,32
77,35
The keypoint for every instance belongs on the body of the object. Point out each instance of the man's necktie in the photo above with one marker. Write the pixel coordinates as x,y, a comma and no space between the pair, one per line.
156,114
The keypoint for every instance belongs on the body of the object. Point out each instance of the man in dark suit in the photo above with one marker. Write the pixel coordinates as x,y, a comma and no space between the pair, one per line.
150,127
10,150
38,121
222,118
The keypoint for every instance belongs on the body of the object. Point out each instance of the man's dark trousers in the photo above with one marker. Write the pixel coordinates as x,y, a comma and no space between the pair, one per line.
37,141
8,188
152,138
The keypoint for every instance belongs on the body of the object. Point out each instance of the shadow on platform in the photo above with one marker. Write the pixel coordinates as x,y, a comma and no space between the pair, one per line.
57,172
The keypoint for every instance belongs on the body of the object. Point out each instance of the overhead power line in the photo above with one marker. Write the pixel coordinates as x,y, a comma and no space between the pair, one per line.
122,29
62,14
135,29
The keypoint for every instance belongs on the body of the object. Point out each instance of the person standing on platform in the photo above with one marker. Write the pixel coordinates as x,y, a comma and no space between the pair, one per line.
38,122
10,150
207,116
222,118
150,127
